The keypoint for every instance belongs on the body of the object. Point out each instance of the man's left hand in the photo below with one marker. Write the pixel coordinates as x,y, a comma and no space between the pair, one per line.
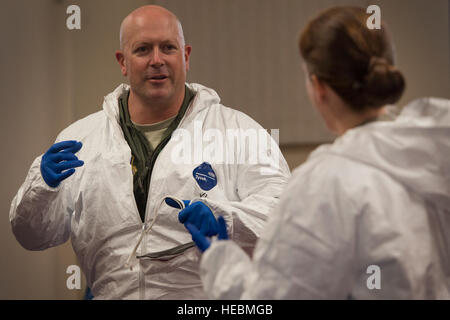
202,242
199,215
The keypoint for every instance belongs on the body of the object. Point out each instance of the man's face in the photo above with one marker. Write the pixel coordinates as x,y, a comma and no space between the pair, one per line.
154,59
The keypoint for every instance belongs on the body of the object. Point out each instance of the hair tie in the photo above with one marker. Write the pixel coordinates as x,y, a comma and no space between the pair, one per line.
357,85
377,61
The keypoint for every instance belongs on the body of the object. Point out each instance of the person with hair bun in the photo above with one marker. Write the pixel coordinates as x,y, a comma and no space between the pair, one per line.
367,217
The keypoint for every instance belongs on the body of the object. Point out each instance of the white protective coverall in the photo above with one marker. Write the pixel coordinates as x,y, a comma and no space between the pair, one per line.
378,196
96,207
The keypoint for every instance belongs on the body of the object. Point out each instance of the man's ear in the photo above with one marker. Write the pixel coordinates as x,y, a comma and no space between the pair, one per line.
319,88
121,60
187,53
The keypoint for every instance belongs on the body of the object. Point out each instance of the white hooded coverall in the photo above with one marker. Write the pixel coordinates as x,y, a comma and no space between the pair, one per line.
96,209
374,203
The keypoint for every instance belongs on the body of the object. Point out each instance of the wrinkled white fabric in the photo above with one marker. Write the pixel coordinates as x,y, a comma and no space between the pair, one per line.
96,208
379,195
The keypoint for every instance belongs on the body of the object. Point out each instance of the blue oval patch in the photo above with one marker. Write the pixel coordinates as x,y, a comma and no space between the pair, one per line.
205,176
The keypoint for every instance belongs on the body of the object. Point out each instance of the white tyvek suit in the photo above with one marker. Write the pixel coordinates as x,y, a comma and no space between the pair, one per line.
96,207
380,195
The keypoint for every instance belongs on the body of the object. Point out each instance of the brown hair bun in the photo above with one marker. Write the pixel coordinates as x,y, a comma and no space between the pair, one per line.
384,83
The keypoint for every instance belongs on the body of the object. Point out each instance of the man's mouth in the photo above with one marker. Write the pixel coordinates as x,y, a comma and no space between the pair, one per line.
158,77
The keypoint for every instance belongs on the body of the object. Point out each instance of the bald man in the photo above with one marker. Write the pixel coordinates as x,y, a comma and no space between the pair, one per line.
119,182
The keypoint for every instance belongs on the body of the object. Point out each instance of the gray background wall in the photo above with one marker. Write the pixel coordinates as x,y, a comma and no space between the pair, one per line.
248,51
245,49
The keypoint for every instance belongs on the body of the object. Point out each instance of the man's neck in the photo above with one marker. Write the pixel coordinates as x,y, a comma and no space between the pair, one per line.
148,112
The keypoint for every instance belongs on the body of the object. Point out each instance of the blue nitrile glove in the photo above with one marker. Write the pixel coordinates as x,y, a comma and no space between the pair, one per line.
59,161
198,214
203,242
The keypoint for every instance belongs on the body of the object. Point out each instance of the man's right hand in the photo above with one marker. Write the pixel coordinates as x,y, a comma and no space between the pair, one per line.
59,161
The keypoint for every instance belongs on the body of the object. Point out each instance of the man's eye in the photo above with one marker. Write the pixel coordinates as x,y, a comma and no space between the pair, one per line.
169,47
141,49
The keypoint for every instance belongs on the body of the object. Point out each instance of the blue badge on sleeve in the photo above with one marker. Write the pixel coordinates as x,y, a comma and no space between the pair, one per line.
205,176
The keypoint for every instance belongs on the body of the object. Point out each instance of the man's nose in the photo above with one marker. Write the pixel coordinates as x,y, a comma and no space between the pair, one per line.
156,59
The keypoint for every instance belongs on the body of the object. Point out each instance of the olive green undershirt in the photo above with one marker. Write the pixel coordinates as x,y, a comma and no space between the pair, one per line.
143,155
154,132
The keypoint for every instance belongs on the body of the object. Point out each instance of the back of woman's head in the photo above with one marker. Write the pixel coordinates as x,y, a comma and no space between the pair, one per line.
357,62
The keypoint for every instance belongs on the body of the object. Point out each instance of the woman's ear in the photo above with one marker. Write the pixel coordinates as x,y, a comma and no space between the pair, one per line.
319,88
